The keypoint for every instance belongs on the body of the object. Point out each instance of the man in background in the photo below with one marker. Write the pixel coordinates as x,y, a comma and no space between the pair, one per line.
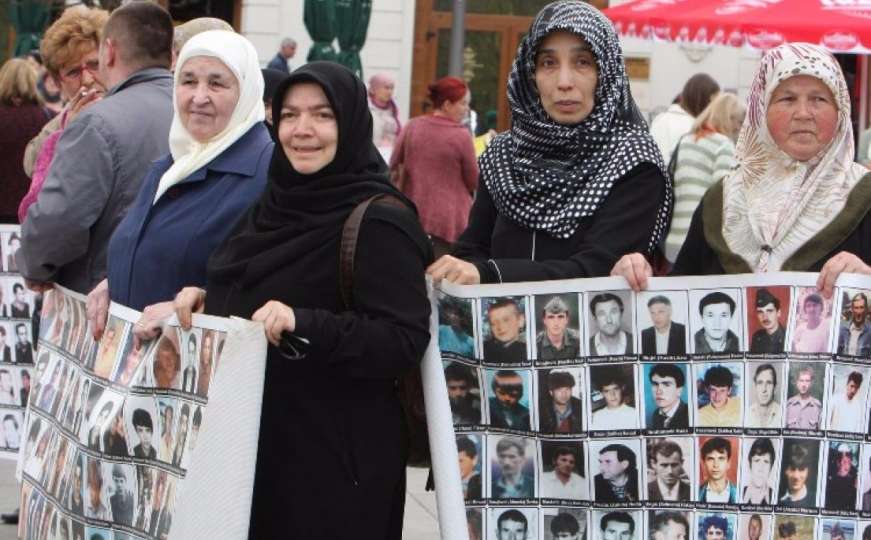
286,51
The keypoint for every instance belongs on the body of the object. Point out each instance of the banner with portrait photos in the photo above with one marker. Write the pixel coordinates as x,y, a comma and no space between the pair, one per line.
113,424
18,319
710,408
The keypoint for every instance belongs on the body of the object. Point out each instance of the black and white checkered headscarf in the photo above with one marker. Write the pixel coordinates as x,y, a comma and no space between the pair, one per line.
547,176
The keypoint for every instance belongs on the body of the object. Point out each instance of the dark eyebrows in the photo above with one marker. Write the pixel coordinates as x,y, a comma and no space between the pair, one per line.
315,107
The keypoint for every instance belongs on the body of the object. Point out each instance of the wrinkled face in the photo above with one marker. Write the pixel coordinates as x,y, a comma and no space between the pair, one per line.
764,384
716,319
718,395
760,469
714,533
562,395
564,464
307,129
716,464
804,382
458,390
511,461
512,530
851,389
671,531
610,466
814,312
555,324
79,74
660,315
566,76
613,394
666,392
467,464
859,310
505,323
608,317
668,468
617,530
768,317
509,390
796,478
802,116
206,95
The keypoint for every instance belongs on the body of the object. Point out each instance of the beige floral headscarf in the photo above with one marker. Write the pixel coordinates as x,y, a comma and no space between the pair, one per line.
773,204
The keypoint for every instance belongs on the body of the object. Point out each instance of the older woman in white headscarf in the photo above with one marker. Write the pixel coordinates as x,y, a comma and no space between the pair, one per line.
220,152
797,200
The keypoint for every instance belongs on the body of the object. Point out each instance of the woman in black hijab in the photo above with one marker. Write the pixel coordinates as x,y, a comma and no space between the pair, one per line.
577,181
331,457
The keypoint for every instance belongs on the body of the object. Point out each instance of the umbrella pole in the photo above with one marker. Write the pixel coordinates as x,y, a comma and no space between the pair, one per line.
458,39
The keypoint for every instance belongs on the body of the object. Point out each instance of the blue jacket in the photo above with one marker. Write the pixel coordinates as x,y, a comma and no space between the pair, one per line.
279,63
158,249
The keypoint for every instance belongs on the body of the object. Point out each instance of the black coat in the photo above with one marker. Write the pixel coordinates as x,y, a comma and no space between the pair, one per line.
622,224
680,420
332,448
548,416
604,493
677,339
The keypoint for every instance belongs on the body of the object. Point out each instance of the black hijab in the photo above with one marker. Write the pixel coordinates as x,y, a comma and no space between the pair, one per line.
299,213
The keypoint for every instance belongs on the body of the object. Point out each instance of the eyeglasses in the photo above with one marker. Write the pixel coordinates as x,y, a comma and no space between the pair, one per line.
293,347
75,73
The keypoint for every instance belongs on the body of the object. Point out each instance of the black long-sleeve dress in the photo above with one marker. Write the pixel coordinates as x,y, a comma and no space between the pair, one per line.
331,455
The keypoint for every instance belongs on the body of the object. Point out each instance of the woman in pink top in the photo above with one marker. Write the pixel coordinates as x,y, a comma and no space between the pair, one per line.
438,155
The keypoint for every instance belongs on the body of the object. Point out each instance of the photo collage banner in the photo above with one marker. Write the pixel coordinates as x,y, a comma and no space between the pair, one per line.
717,408
18,322
112,426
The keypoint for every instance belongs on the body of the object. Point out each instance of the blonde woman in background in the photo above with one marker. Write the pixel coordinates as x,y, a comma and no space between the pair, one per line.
704,156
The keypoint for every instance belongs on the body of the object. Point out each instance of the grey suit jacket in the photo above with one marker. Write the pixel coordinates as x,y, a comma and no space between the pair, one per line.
98,166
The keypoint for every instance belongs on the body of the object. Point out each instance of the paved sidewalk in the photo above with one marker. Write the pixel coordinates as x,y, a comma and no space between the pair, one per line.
421,521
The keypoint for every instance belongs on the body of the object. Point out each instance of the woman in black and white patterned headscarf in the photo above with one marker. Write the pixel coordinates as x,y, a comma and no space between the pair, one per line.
577,181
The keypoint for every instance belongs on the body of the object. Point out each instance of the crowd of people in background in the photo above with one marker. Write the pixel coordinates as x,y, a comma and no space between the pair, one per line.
164,169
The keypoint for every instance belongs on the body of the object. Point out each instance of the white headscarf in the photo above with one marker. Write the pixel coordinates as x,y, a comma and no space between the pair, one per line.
773,204
240,57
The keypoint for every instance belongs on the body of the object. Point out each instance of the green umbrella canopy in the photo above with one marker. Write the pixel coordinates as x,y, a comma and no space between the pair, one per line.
352,23
320,21
29,18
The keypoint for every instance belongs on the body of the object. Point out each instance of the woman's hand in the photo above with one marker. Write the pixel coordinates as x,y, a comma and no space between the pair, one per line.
454,270
98,308
150,324
834,267
81,101
190,300
276,318
635,269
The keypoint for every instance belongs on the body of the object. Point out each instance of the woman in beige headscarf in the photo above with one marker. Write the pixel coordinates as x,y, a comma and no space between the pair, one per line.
797,201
